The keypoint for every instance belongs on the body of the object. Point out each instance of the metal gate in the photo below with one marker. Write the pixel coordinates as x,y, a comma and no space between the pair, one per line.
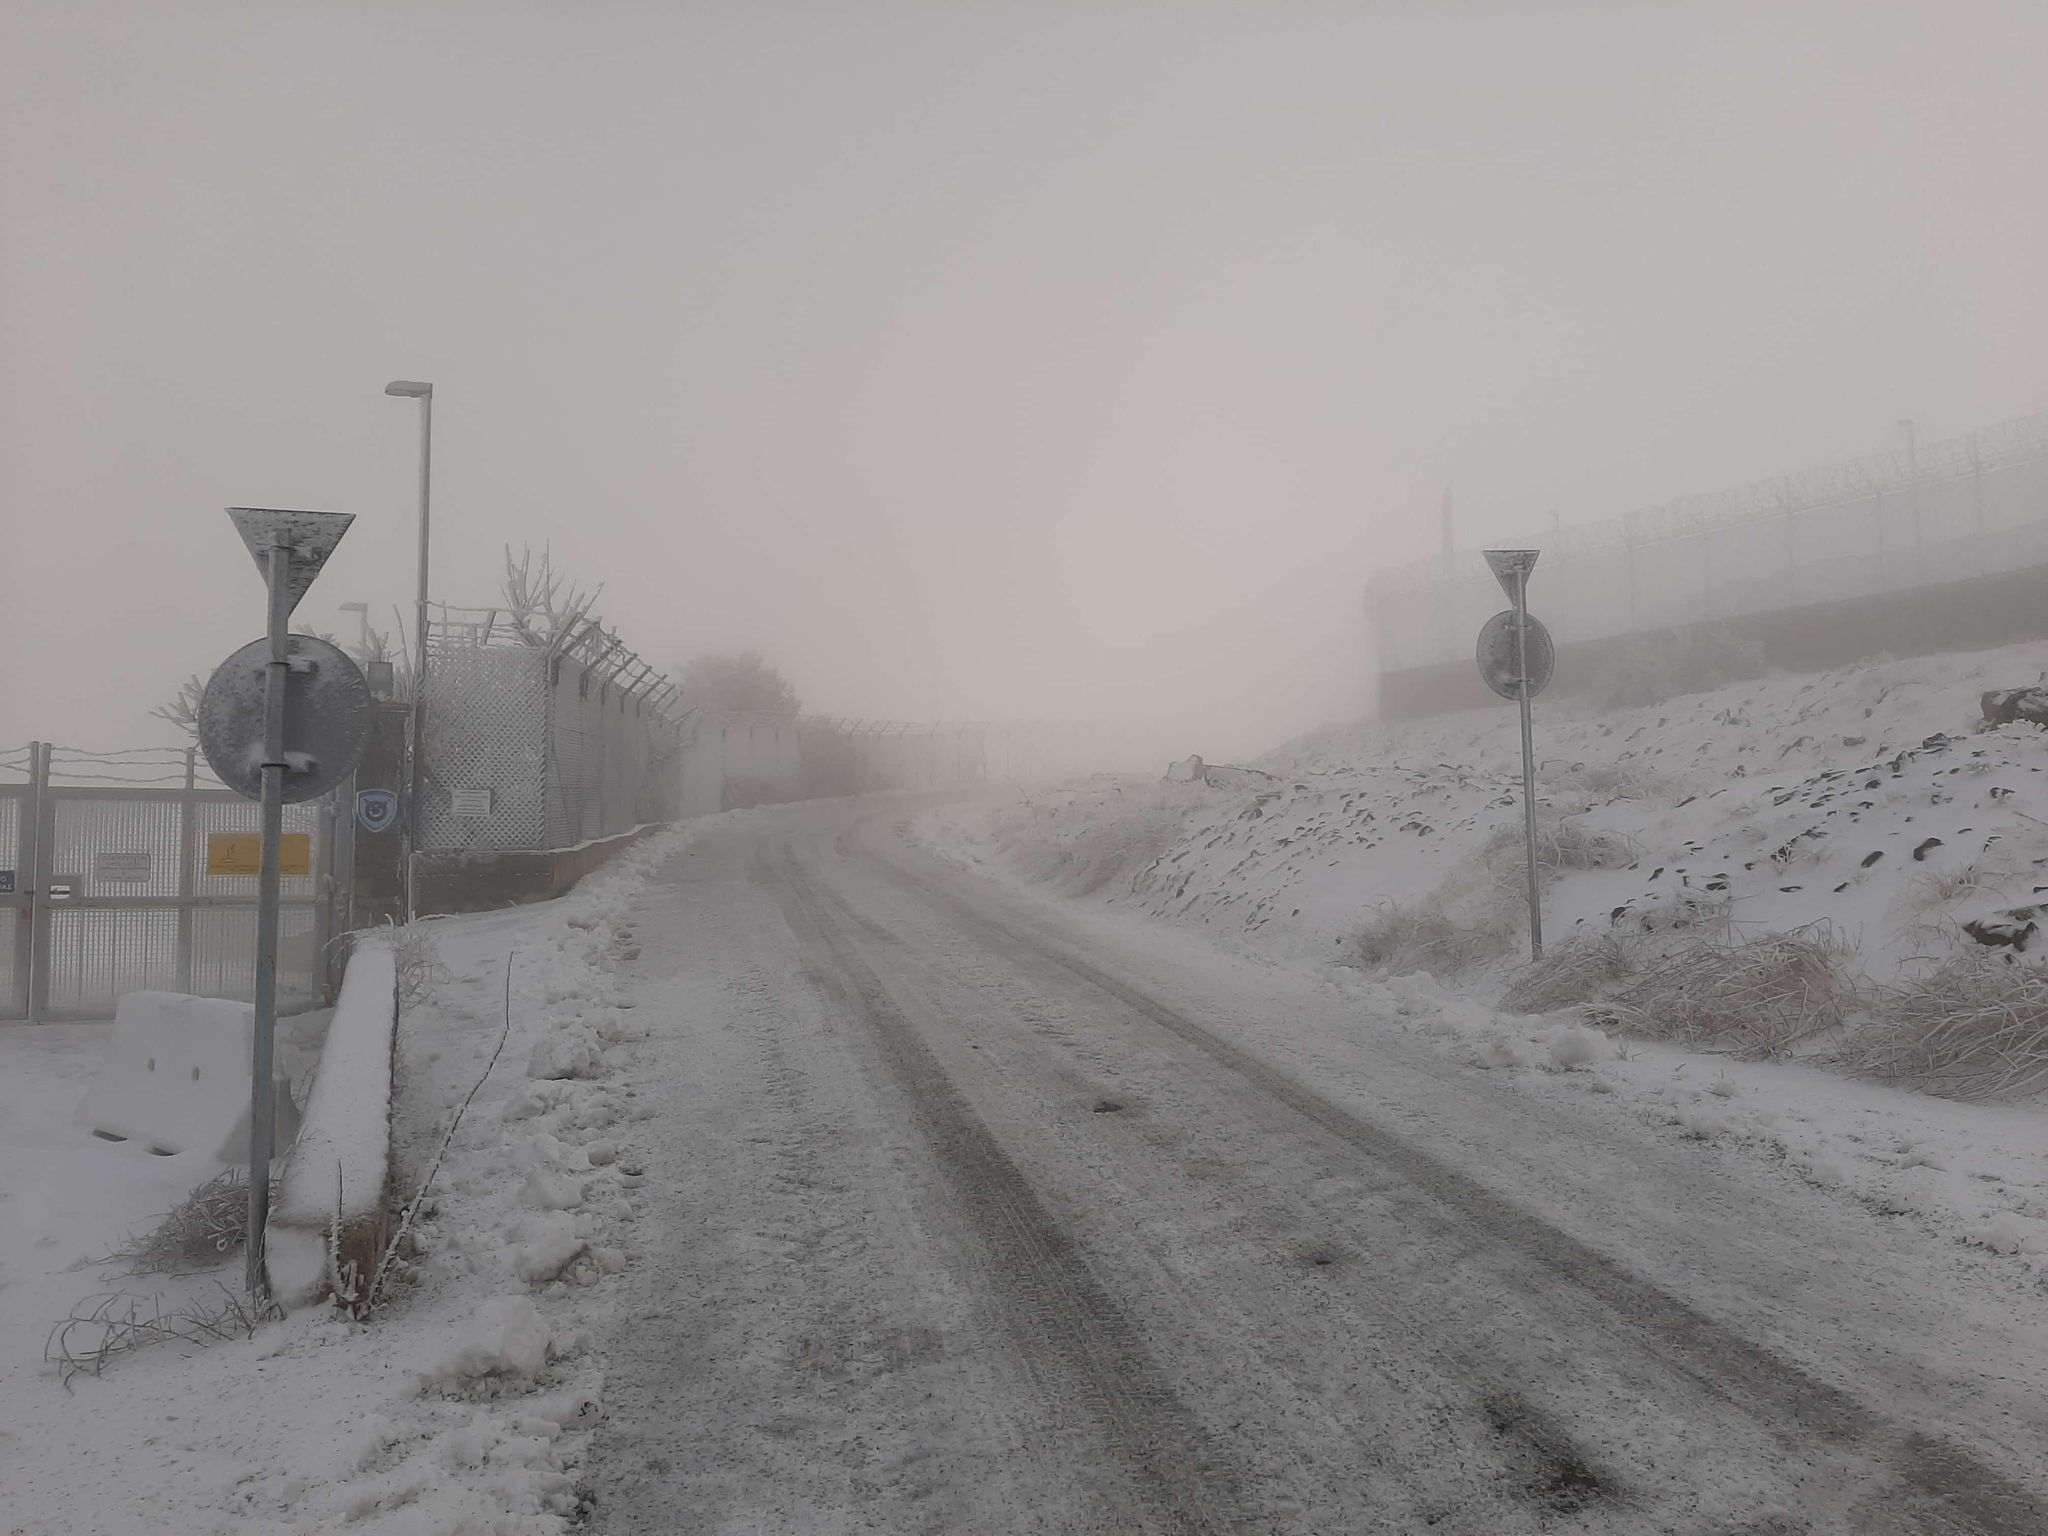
17,848
126,883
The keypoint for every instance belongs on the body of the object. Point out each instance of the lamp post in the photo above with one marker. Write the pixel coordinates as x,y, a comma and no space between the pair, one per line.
424,393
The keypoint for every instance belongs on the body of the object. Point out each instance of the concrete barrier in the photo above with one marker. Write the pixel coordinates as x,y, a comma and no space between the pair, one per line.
176,1077
335,1183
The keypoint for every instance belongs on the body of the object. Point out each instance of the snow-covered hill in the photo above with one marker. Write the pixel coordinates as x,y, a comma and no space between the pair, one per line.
1866,799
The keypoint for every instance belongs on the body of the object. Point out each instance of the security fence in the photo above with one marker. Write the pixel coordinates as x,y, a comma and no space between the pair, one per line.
1941,512
128,871
538,741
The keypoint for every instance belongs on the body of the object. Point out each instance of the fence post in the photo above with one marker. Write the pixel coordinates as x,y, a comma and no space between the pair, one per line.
1628,528
1977,501
188,811
28,821
42,833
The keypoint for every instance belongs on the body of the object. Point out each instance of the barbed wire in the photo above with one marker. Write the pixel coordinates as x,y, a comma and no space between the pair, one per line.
1894,472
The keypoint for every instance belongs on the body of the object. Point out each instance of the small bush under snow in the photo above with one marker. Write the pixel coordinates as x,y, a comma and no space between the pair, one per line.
1422,936
504,1348
1977,1028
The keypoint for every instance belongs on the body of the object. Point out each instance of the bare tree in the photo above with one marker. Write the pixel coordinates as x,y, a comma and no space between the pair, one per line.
545,606
183,709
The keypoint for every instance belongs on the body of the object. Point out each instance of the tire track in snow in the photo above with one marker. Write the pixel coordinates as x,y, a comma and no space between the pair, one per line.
1939,1486
1074,1338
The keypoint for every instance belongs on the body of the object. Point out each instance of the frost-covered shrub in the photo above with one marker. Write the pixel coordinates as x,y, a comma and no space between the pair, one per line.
1400,937
1760,996
1574,972
1976,1028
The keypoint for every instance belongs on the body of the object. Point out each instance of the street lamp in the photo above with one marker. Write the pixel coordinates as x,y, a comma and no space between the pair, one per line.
424,393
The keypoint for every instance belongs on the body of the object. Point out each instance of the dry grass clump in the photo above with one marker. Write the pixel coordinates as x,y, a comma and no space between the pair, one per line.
1562,842
1759,996
102,1328
417,959
1402,937
1573,973
1976,1028
1615,781
199,1232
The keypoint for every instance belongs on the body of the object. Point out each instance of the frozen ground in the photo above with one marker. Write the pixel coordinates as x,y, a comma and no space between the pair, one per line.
830,1185
1752,809
981,1212
1868,799
464,1408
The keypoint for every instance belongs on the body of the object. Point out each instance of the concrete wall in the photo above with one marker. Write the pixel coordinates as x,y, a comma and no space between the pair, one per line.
483,880
1973,614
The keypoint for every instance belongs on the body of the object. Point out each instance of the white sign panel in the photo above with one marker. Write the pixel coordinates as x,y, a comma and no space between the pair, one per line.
472,802
121,868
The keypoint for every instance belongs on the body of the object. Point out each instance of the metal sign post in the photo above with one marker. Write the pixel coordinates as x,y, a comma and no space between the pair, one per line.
1511,568
262,1090
289,548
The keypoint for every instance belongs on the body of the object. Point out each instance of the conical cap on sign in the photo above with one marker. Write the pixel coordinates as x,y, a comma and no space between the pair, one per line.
311,537
1506,562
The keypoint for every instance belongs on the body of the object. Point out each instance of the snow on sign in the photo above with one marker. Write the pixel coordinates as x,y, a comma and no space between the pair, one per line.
1507,564
241,853
121,868
1496,656
472,802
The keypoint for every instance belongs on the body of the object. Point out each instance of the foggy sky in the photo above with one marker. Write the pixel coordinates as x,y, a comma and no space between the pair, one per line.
971,360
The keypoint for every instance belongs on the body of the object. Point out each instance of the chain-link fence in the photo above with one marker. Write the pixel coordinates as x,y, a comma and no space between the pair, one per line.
541,745
1943,512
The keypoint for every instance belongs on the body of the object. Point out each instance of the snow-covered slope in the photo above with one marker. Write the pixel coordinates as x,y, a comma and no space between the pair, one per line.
1757,808
1866,799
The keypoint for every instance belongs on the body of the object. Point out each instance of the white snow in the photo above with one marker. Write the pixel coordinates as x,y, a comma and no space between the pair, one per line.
465,1405
338,1168
1769,796
503,1348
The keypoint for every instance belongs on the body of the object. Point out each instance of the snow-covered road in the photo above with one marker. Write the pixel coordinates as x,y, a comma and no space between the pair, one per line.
969,1212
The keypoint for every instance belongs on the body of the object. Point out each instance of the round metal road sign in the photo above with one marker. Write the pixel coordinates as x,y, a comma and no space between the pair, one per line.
1497,656
327,709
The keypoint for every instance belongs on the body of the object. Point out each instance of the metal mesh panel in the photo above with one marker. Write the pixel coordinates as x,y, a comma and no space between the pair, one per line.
96,954
224,955
176,927
486,729
14,809
116,848
13,983
566,755
1621,576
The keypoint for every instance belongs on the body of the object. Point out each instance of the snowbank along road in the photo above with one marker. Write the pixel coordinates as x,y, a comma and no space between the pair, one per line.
979,1215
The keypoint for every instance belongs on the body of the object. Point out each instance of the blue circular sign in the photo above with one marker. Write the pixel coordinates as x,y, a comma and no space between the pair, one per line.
376,809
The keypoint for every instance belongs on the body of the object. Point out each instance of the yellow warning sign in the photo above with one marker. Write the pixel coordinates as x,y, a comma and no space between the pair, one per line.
241,853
